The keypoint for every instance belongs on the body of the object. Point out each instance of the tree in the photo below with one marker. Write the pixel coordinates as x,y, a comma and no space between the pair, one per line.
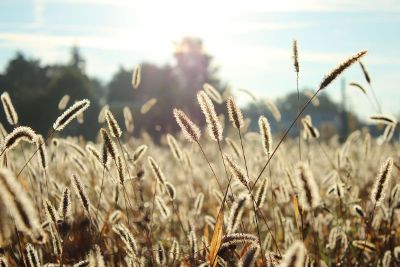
36,90
194,68
173,86
25,80
324,116
77,61
75,83
156,82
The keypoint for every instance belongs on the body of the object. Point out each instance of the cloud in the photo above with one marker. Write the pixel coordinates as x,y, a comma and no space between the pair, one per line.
38,12
237,6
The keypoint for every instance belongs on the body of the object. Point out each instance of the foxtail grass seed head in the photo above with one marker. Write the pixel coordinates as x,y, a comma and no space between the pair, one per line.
295,255
121,170
314,99
71,113
236,171
21,133
365,72
51,212
198,203
158,174
32,256
136,76
212,93
310,130
395,195
365,246
108,148
128,118
250,257
162,207
116,216
63,102
96,258
160,254
334,73
11,114
122,231
233,146
296,57
80,118
77,150
237,238
358,211
261,193
382,182
80,191
236,212
274,110
248,93
389,132
213,124
148,105
65,204
384,119
94,153
175,250
386,260
139,152
102,114
192,243
359,87
170,188
309,192
235,114
175,149
189,129
3,132
20,206
42,151
266,137
113,126
3,262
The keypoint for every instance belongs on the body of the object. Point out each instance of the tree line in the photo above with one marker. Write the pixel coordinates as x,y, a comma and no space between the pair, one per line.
36,90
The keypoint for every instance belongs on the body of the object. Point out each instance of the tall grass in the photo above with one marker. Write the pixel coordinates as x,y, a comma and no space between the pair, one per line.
200,200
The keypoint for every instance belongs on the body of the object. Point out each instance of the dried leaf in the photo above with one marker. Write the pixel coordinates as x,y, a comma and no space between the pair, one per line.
296,209
216,239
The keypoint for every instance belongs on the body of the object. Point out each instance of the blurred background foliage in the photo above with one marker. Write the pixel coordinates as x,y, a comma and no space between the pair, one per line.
36,90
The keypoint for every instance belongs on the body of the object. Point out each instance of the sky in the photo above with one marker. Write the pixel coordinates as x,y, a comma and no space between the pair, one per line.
250,40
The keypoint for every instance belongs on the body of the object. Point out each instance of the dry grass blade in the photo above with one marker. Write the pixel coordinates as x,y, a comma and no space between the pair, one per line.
216,239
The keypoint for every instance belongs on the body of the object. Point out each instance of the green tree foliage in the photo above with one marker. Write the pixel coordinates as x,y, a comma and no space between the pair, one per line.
172,86
26,81
36,90
324,116
156,82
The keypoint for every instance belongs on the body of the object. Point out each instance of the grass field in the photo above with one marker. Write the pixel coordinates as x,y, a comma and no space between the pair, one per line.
221,196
